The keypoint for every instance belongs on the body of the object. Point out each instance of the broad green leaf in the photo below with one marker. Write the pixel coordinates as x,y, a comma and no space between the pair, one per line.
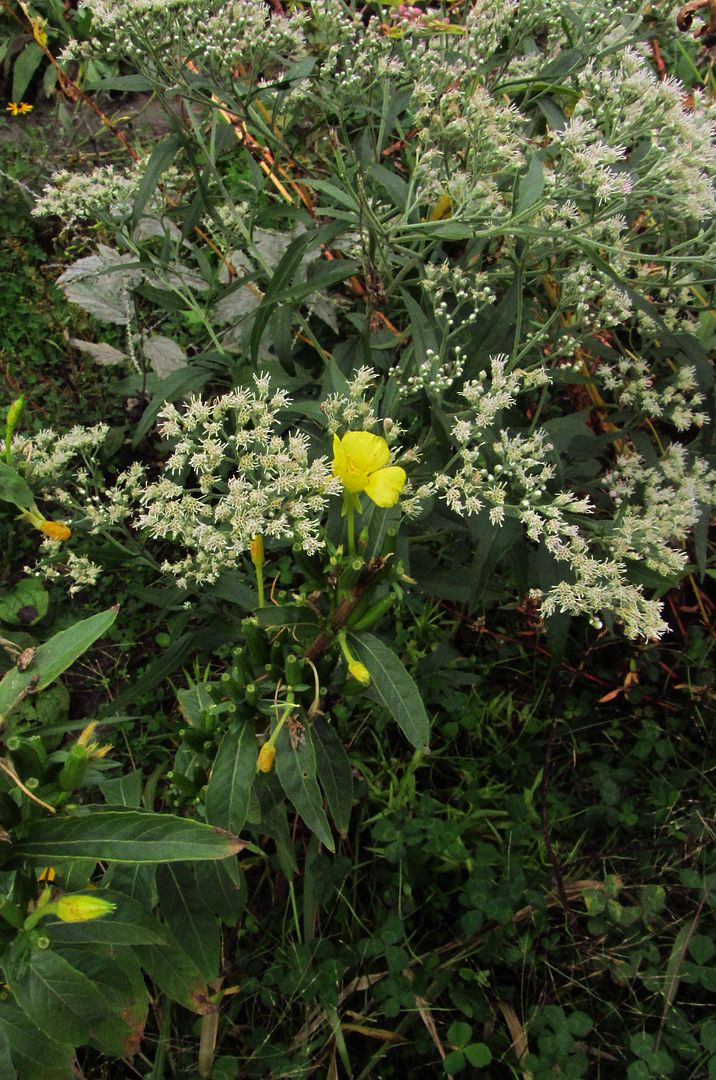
288,615
127,836
189,917
25,604
296,769
232,777
334,771
34,1054
128,84
7,1069
58,998
54,657
394,687
13,488
125,790
129,924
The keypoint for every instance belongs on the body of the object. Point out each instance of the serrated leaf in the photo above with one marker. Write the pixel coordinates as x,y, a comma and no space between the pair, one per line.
53,657
100,351
164,355
296,770
126,836
333,769
394,687
101,284
231,779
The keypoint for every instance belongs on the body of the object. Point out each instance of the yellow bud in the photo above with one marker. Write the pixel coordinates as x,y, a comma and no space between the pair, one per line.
257,550
56,530
359,672
267,756
82,908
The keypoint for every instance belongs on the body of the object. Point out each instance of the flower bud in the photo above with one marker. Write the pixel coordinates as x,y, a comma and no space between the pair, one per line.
359,672
267,756
81,908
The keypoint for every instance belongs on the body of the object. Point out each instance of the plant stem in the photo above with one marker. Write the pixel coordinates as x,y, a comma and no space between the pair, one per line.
351,518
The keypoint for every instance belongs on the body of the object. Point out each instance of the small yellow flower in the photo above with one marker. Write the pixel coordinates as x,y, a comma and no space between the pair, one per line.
81,908
38,31
359,672
16,109
56,530
267,756
360,461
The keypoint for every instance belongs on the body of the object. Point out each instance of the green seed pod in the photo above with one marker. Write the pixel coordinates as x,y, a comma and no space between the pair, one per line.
375,612
73,771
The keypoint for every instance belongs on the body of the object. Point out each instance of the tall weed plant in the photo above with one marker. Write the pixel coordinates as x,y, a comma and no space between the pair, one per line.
415,306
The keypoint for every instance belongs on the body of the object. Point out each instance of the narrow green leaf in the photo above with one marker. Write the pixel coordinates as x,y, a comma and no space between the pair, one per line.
54,657
232,777
223,888
126,836
7,1069
394,687
531,185
177,975
24,68
129,924
296,769
161,158
333,768
189,917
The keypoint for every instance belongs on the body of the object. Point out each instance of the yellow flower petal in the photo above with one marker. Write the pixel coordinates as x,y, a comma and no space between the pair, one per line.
385,485
56,530
366,452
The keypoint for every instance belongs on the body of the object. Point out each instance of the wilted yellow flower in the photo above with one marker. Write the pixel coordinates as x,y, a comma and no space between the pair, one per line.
39,32
359,672
360,461
70,908
56,530
267,756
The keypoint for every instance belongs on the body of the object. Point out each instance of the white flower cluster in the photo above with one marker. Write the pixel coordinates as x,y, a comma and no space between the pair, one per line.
222,35
231,475
636,386
47,455
511,473
56,564
434,376
75,196
350,409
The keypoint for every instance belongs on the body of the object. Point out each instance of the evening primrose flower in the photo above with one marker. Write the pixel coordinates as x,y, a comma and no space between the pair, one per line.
76,908
360,461
56,530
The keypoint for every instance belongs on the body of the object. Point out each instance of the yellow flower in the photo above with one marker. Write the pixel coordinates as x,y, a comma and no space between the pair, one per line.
81,908
267,756
56,530
359,672
38,31
360,461
18,110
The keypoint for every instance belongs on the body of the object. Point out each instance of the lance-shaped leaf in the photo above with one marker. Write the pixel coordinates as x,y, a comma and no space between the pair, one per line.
125,836
54,657
231,779
296,769
394,687
334,771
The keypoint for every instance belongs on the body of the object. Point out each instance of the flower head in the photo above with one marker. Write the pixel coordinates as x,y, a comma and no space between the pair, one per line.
56,530
360,461
359,672
18,109
267,756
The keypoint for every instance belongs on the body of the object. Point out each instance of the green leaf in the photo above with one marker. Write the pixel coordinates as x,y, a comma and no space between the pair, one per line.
33,1053
478,1054
161,158
394,687
54,657
531,185
296,769
128,84
579,1023
58,998
7,1069
189,917
702,948
223,888
13,488
25,604
125,790
129,924
127,836
289,615
459,1034
231,779
177,975
334,772
24,68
